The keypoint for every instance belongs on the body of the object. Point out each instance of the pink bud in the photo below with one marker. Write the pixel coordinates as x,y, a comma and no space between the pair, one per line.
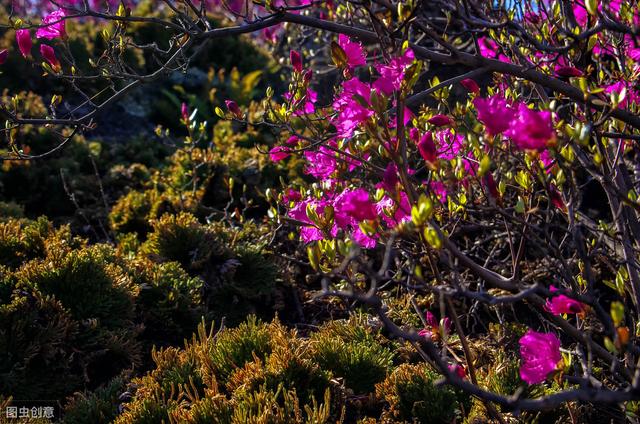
490,183
23,37
278,153
440,120
296,61
307,76
4,54
184,111
233,108
556,198
431,319
427,148
470,85
50,56
459,370
568,71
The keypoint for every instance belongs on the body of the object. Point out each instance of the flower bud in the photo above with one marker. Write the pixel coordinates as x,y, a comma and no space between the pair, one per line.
23,37
470,85
296,61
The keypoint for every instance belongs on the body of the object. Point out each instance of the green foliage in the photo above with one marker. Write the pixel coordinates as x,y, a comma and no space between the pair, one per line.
413,396
255,373
181,238
236,347
22,240
98,406
169,302
352,351
74,316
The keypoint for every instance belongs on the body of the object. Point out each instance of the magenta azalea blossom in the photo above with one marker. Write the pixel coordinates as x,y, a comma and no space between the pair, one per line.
450,145
356,204
310,232
55,26
321,163
440,190
531,129
354,52
23,37
631,96
540,356
306,105
562,304
279,153
495,113
393,213
391,75
352,112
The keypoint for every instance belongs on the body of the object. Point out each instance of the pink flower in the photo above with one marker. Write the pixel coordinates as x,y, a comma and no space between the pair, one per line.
296,60
581,15
562,304
440,120
440,190
321,163
631,96
362,239
356,204
531,129
309,233
393,213
450,145
470,85
4,55
391,75
306,105
540,356
50,56
55,26
435,329
490,49
351,112
495,113
355,54
291,195
279,153
547,161
427,148
23,37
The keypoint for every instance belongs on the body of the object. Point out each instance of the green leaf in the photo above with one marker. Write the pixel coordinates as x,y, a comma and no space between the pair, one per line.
592,6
